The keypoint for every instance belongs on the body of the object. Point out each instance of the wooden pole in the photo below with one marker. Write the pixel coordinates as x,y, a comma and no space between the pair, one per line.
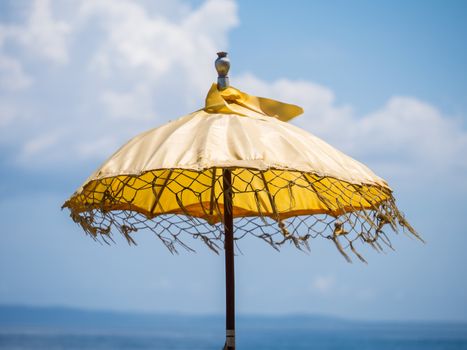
229,262
222,65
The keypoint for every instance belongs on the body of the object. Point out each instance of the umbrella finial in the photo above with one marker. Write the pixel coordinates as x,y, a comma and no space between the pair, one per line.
222,66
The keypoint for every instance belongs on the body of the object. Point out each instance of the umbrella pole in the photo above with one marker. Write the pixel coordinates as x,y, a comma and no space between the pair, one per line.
229,262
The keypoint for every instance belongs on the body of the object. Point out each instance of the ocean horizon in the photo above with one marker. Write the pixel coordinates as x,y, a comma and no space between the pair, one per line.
57,328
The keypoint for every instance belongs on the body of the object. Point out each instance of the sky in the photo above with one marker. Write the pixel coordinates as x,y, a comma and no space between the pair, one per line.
382,81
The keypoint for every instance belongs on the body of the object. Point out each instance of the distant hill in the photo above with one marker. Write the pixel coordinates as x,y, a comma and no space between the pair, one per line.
12,316
63,317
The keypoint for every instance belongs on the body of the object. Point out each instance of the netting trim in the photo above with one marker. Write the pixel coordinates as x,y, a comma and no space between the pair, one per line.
350,216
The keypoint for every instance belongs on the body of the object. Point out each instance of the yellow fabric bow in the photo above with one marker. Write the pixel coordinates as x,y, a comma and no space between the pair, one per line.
232,100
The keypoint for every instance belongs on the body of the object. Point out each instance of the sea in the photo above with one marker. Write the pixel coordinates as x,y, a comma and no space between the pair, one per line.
64,329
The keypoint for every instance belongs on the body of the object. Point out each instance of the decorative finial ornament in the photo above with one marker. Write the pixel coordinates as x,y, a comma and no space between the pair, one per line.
222,66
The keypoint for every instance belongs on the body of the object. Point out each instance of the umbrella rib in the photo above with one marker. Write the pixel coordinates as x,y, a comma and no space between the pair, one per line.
271,199
125,182
323,199
213,183
158,197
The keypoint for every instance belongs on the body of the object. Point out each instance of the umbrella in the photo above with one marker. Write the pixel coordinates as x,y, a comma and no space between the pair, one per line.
237,165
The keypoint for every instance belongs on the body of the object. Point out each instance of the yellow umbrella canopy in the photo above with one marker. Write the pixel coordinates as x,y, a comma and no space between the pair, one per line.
287,185
232,168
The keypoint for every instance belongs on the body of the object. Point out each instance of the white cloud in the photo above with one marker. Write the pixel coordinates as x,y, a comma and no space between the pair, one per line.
40,144
140,60
12,75
145,63
323,284
132,106
327,286
136,39
322,114
101,147
158,57
42,34
404,137
405,125
7,113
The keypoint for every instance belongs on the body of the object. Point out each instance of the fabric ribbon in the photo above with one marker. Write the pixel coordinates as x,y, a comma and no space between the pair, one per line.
234,101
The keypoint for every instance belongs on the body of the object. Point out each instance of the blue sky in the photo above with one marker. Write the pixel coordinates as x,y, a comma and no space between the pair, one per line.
384,82
409,48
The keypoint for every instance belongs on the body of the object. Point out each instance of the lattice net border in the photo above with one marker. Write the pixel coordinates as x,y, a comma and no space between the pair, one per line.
348,229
